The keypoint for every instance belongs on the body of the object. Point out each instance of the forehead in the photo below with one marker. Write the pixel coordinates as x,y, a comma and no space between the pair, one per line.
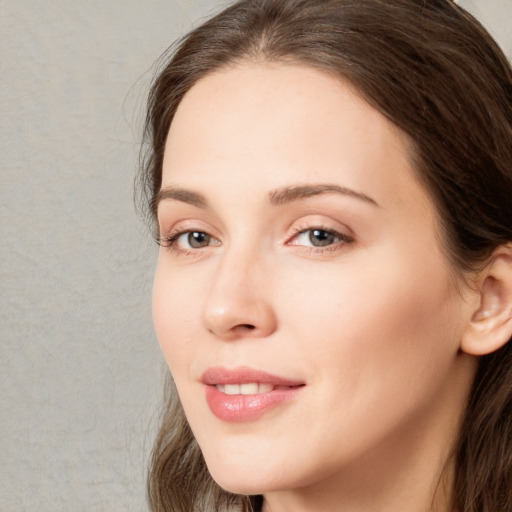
266,125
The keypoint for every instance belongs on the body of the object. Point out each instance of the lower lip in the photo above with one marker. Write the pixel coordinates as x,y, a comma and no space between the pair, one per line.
244,408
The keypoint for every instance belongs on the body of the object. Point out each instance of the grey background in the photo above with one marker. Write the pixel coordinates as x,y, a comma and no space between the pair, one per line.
81,373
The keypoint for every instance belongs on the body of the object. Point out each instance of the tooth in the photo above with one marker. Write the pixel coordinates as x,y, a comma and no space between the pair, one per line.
220,387
232,389
265,388
249,388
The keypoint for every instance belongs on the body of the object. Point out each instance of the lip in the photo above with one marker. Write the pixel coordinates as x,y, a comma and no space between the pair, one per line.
245,408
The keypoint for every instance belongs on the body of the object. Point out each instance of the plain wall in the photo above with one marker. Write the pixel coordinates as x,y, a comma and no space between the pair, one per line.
81,372
80,375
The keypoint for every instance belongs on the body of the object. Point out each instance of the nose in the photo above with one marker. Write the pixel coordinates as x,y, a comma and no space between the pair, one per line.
239,304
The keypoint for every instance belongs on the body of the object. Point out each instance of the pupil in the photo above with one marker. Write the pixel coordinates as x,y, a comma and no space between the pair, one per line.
197,239
319,237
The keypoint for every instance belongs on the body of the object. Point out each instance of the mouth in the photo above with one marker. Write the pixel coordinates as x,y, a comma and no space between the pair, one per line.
249,388
245,394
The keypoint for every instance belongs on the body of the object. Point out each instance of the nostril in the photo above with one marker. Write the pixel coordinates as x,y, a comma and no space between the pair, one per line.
248,327
242,329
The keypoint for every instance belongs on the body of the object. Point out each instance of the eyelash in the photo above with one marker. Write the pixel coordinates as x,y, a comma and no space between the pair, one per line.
170,240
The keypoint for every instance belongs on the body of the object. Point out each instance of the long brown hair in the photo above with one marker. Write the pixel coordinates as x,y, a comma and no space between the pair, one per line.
429,67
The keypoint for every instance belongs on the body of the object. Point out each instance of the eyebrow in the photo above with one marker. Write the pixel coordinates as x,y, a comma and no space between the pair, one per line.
179,194
289,194
277,197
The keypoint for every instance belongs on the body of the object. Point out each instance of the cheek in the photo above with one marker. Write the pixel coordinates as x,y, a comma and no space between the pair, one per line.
383,323
377,344
175,315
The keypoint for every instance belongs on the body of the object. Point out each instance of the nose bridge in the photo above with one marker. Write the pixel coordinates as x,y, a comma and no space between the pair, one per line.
239,301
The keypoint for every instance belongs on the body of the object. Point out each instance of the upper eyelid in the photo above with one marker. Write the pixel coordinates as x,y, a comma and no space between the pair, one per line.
170,220
323,223
318,228
185,225
179,232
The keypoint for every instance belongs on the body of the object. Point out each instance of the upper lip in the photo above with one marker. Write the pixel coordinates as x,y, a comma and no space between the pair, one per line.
244,375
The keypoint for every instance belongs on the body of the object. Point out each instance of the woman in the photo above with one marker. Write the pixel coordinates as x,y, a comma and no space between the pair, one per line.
330,182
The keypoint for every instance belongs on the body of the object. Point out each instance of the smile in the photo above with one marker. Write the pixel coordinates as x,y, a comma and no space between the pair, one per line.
245,394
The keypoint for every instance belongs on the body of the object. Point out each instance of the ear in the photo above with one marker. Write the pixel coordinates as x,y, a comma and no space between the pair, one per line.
491,324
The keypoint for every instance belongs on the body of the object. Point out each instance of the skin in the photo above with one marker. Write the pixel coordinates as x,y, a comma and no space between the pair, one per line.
372,323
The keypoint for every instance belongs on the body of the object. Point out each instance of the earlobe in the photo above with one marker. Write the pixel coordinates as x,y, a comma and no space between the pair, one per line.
491,323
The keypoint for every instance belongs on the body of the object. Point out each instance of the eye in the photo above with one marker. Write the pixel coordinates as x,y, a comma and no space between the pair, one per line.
321,237
195,239
317,237
181,240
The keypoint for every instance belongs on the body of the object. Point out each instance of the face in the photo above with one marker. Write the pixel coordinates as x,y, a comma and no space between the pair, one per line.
302,300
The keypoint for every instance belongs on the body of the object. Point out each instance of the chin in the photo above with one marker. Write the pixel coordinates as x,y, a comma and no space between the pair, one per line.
247,478
239,485
243,488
